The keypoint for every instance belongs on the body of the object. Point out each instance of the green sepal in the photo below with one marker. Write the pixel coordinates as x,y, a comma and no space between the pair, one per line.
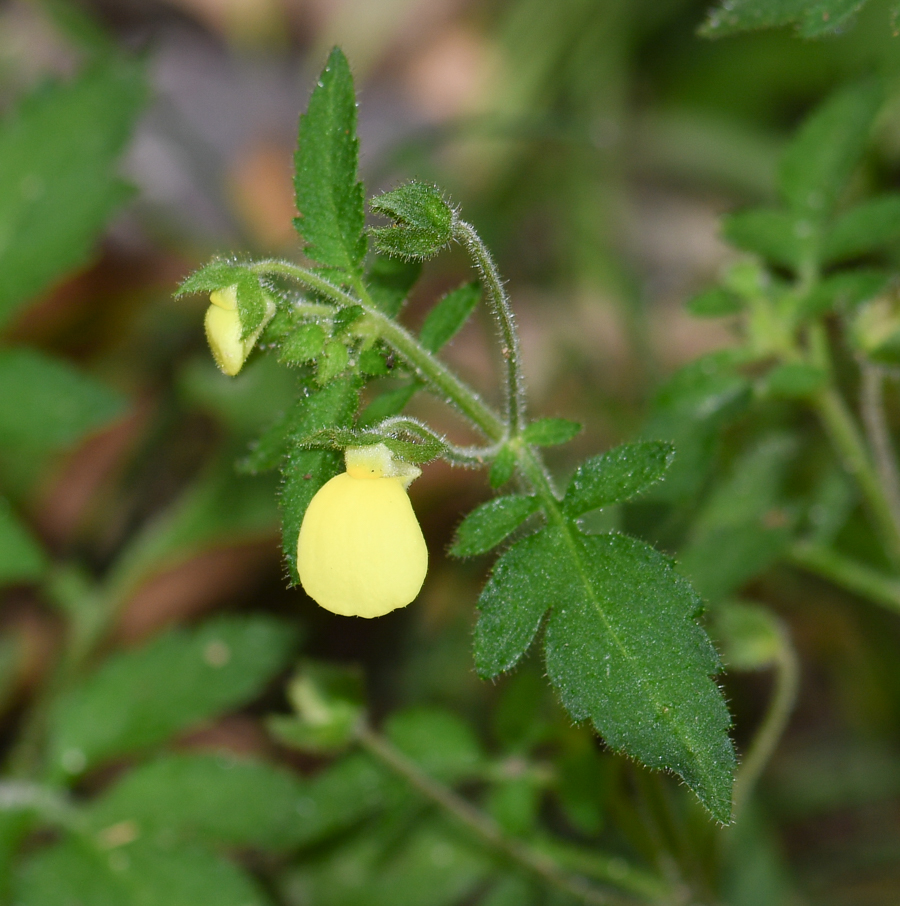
549,432
328,194
620,474
422,221
449,315
253,301
491,523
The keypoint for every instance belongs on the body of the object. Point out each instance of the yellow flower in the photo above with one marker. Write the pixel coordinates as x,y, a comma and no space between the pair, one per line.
360,551
223,330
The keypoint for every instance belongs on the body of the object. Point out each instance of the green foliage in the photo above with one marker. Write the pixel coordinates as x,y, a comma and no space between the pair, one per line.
548,432
304,344
618,475
58,186
448,316
438,741
390,280
491,523
21,557
866,228
622,648
714,303
48,405
503,467
329,197
422,222
252,299
216,799
749,635
812,18
139,699
141,873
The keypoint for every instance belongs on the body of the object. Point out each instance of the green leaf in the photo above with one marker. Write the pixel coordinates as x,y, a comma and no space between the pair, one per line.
777,236
548,432
822,156
622,648
305,471
620,474
844,291
389,281
423,221
385,405
491,523
750,636
449,315
47,405
503,467
714,303
21,558
304,344
142,873
743,527
373,362
442,744
794,380
218,798
690,411
329,197
813,18
140,698
334,359
868,227
513,803
58,186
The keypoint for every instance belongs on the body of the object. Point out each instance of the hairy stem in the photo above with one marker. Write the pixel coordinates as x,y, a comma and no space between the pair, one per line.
465,234
484,827
787,676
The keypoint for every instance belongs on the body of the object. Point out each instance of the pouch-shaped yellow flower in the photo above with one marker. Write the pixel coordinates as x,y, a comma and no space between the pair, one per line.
361,552
223,330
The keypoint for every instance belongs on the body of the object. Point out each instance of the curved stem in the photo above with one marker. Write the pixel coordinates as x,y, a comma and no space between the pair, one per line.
484,827
787,677
465,234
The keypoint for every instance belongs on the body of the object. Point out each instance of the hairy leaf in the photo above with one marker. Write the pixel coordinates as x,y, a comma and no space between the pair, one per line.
548,432
622,648
140,698
58,186
490,523
329,197
620,474
448,316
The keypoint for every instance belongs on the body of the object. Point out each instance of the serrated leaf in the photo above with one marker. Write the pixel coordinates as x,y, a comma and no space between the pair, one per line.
46,404
142,873
305,471
58,186
548,432
813,18
826,150
140,698
622,648
868,227
218,798
21,557
216,274
334,359
389,281
448,316
715,303
491,523
776,236
329,197
620,474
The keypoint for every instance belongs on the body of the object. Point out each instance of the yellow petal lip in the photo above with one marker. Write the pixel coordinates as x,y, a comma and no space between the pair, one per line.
224,329
377,461
360,551
225,298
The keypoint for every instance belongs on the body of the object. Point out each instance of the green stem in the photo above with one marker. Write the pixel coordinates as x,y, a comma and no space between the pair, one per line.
440,378
484,827
847,573
787,675
879,436
465,234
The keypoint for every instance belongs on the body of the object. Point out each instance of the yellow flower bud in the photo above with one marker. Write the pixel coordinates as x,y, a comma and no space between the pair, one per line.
223,330
361,552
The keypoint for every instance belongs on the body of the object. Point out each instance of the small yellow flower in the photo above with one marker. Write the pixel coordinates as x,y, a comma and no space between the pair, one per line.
223,330
360,551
